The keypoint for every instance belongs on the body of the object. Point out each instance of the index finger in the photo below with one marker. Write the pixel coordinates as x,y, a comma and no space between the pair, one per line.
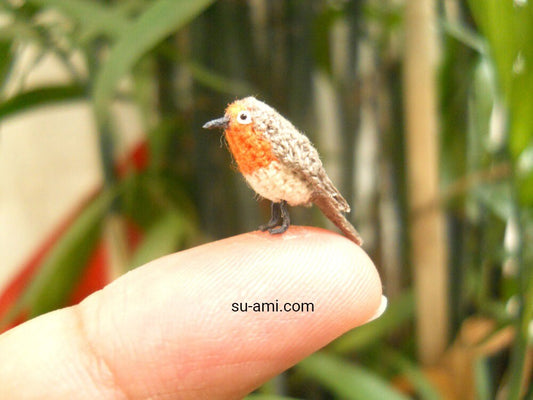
202,322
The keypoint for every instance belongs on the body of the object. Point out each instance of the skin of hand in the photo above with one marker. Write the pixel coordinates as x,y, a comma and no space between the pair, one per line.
166,330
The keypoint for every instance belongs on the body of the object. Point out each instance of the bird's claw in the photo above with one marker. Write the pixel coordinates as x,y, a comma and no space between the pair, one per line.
280,216
276,231
269,225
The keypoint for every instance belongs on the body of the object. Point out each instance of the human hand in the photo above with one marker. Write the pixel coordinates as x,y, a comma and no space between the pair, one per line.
167,330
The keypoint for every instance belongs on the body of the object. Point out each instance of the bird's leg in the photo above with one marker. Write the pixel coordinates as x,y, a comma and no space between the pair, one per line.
275,217
285,219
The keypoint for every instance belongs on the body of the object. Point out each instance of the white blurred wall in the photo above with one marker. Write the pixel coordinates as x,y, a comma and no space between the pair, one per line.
49,161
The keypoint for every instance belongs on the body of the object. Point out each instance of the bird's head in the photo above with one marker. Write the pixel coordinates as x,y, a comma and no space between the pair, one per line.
241,117
246,125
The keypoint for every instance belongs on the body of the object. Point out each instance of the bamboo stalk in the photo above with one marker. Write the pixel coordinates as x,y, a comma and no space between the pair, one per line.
428,242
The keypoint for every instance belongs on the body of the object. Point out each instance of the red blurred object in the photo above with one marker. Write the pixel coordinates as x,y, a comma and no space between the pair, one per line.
95,276
137,160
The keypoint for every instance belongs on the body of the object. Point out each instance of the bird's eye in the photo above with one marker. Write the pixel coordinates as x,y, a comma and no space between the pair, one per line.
244,118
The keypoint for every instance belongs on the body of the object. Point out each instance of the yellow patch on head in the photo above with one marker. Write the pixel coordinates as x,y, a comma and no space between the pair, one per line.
250,149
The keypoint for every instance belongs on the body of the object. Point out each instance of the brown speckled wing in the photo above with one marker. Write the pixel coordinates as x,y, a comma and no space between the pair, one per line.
295,151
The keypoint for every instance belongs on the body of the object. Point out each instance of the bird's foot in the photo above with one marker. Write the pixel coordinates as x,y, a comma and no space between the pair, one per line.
275,217
269,225
280,216
277,231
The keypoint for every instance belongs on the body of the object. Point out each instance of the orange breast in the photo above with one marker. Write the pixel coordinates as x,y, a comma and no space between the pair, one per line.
250,150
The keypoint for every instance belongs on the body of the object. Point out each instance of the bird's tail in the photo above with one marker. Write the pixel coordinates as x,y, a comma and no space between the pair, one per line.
330,210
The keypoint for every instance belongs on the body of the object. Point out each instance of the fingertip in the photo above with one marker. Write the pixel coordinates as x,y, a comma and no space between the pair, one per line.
312,261
381,309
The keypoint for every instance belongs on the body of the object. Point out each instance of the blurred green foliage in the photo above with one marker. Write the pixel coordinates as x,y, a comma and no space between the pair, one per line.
183,60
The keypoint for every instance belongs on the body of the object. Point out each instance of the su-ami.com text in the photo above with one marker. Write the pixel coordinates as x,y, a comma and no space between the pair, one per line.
273,306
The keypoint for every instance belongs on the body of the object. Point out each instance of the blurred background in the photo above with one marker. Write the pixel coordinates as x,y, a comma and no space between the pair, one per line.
423,114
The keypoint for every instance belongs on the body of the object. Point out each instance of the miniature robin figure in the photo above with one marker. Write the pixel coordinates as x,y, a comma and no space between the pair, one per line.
280,164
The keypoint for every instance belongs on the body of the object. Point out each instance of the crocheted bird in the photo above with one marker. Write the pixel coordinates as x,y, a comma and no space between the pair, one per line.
280,164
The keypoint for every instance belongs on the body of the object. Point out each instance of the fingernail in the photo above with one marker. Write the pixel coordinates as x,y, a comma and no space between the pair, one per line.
381,309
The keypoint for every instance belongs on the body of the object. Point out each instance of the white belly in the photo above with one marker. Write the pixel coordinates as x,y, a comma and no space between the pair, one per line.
277,183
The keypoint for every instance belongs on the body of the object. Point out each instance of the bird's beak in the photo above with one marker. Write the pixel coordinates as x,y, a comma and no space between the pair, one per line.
220,123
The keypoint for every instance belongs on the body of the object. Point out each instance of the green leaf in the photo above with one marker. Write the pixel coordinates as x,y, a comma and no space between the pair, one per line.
64,264
399,312
218,82
94,17
6,61
268,397
465,35
509,31
526,189
497,197
162,238
151,27
416,376
321,38
205,76
483,379
347,380
40,97
495,18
